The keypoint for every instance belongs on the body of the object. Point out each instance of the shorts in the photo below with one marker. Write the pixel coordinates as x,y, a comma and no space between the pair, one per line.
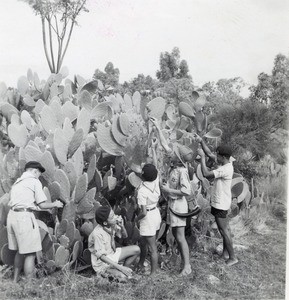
151,223
23,232
100,267
178,205
219,213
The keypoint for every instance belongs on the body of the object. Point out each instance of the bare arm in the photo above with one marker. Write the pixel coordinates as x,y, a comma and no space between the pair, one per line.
205,147
163,141
207,173
47,205
125,270
142,213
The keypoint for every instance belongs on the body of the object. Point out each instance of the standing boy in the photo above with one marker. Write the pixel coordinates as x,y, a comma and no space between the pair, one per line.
221,197
23,231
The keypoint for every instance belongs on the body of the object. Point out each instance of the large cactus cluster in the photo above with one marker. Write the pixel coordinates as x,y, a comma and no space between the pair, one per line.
89,139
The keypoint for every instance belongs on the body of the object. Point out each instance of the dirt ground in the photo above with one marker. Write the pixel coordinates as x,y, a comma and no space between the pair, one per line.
260,274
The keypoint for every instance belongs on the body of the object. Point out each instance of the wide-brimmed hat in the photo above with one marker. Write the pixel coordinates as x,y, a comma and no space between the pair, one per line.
182,152
34,165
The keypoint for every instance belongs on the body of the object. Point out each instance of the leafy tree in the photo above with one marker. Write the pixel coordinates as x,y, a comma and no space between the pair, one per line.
262,92
110,76
143,84
172,67
58,18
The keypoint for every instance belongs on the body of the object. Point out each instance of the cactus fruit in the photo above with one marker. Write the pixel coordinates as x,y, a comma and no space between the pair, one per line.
60,143
156,107
83,121
119,137
18,134
61,257
107,142
80,187
64,241
75,142
123,122
7,256
62,179
186,110
214,133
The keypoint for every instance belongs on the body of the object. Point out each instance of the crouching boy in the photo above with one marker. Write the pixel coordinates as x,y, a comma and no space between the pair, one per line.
105,257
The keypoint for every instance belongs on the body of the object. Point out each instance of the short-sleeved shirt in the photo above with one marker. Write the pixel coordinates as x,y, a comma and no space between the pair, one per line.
27,192
149,193
179,180
99,243
221,196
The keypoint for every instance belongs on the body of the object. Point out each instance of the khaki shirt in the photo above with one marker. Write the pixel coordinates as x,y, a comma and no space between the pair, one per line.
26,192
149,193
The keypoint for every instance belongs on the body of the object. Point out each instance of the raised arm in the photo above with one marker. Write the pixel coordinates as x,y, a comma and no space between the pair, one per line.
205,147
206,172
163,141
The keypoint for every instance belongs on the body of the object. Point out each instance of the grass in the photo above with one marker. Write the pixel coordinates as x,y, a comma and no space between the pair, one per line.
260,274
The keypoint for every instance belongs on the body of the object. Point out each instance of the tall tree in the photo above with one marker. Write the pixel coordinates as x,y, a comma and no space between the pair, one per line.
172,67
110,76
58,18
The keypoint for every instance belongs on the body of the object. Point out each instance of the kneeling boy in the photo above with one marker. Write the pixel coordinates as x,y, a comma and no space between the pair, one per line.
105,257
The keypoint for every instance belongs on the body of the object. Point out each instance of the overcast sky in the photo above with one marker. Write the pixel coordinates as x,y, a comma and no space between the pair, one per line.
218,38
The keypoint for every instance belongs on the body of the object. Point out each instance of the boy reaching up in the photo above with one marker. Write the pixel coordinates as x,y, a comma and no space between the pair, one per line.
105,257
221,197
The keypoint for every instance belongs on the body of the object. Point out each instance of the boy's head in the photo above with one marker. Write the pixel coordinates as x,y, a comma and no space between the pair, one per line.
149,172
35,168
224,151
105,216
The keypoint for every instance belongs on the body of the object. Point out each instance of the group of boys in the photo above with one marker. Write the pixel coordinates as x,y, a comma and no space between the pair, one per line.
27,195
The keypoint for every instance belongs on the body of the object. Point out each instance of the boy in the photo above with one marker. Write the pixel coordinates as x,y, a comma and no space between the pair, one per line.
23,231
221,198
105,257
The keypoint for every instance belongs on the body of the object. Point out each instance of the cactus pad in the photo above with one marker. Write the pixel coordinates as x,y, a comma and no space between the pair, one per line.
60,144
7,110
80,187
3,237
102,111
67,129
61,228
119,137
62,179
91,168
64,241
18,134
50,266
69,211
47,162
69,110
54,190
124,124
69,170
84,100
214,133
156,107
48,119
136,99
86,255
107,142
200,103
127,101
75,142
47,243
7,255
186,110
61,257
83,121
77,160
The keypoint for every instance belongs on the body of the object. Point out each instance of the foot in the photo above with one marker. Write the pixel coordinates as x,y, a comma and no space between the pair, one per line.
187,270
225,256
231,261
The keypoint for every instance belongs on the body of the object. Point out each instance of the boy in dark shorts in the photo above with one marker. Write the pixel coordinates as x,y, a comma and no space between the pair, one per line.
221,197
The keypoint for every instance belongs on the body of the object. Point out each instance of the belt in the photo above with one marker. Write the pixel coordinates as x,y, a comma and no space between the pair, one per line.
149,209
21,209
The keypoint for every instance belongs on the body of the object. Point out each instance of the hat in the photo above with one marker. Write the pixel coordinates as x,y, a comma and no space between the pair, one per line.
224,150
34,165
101,214
184,153
149,172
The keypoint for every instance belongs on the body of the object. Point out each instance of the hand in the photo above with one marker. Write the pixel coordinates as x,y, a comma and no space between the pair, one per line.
165,188
58,204
201,152
154,142
125,270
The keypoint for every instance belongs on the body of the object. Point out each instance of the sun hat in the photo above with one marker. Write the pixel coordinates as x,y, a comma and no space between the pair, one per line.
184,153
149,172
101,214
34,165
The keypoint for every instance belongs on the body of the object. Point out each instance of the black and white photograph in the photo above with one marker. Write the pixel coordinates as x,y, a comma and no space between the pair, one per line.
144,149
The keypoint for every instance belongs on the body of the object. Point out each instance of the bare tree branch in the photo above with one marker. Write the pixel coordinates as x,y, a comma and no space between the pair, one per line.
44,43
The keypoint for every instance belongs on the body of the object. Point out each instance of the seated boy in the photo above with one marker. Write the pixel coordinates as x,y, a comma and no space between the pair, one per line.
105,257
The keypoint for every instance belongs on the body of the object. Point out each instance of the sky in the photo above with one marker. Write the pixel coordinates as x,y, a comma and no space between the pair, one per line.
218,38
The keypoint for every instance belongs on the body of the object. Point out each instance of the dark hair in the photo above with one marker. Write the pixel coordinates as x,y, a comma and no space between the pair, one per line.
149,172
101,214
34,165
224,150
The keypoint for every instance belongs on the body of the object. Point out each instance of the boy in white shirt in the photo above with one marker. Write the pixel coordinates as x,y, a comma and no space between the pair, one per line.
221,197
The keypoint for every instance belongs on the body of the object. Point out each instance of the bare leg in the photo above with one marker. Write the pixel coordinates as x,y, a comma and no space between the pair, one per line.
227,240
129,254
151,240
143,252
179,234
18,265
29,265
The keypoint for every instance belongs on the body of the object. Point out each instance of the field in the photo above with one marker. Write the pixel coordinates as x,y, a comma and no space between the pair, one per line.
260,274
